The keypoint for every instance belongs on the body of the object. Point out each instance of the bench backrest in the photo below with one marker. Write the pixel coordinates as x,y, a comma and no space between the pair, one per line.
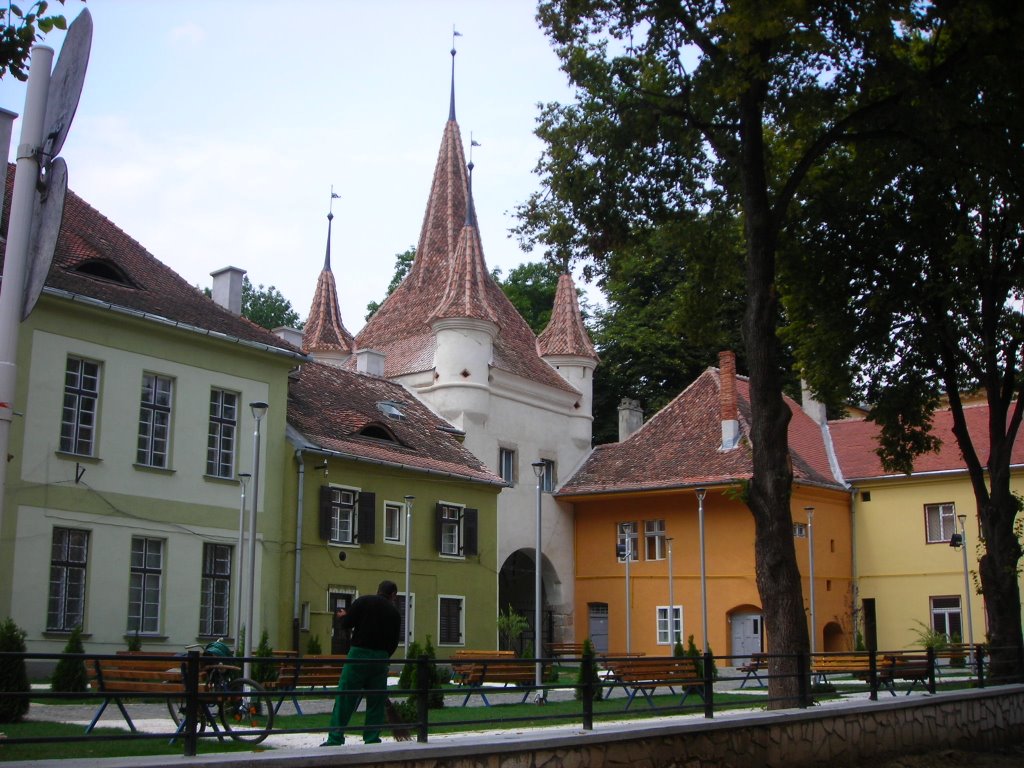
681,668
316,670
127,674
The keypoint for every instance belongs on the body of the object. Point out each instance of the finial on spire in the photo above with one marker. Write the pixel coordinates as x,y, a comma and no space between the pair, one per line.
330,218
470,206
451,105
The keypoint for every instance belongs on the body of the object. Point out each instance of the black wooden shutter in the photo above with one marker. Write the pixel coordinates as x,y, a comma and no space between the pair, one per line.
366,505
438,526
325,512
469,531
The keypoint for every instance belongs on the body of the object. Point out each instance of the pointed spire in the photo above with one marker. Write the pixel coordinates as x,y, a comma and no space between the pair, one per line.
324,333
451,104
566,334
470,207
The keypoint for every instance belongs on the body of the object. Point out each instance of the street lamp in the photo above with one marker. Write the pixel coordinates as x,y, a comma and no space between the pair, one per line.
243,478
408,590
538,470
259,410
810,558
701,493
967,582
671,598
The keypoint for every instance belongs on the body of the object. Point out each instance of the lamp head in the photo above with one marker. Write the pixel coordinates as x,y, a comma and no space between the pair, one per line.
701,493
956,541
259,409
538,469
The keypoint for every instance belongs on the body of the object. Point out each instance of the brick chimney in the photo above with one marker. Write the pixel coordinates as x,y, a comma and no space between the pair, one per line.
729,410
631,418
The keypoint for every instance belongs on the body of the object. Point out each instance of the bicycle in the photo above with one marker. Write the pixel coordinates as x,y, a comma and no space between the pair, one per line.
244,707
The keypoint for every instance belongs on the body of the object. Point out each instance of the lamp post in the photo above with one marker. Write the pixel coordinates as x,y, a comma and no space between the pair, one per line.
259,410
243,478
810,558
967,582
538,470
408,591
701,493
628,530
671,598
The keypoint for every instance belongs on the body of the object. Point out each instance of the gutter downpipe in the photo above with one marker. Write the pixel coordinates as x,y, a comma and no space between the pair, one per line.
297,607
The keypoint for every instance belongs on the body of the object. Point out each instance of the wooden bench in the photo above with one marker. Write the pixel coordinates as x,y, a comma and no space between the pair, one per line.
130,677
295,672
914,668
644,675
474,669
888,668
572,651
758,663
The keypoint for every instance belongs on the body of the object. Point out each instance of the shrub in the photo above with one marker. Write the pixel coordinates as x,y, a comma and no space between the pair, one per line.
70,676
134,643
313,646
409,679
691,651
678,651
264,671
928,637
511,625
588,657
13,677
405,679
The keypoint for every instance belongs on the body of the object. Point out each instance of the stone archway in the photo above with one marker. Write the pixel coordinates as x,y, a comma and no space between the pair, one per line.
835,638
516,590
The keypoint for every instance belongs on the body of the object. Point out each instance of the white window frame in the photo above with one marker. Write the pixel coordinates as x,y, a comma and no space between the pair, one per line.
398,508
799,530
654,535
344,514
452,532
80,411
627,531
69,561
462,620
548,478
222,433
410,631
662,628
145,586
944,517
507,463
946,612
216,589
155,405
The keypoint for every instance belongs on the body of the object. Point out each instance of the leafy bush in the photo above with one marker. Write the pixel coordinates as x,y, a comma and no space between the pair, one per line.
313,646
264,671
511,625
70,676
436,676
588,657
691,651
13,677
928,637
135,643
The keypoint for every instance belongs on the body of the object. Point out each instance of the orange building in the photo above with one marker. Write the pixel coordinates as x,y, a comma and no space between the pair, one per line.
641,497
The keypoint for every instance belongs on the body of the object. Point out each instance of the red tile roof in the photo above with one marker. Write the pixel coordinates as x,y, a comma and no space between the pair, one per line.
466,294
856,442
324,331
680,446
330,407
566,334
401,327
87,238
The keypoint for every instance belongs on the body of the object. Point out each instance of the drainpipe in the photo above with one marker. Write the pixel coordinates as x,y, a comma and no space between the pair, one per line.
855,589
297,612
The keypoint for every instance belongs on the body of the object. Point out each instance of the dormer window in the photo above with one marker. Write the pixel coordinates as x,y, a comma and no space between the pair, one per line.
378,432
102,269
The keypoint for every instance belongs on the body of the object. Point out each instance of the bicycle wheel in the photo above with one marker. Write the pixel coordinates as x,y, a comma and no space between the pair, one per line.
247,710
176,706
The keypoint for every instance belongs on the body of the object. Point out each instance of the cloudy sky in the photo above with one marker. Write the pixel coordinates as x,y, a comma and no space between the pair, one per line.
212,131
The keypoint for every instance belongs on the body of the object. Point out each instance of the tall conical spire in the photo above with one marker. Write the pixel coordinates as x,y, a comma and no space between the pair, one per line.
324,334
566,334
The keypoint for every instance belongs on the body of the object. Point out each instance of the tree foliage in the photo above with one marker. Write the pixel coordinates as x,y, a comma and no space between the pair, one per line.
19,31
905,271
531,288
403,263
708,108
267,307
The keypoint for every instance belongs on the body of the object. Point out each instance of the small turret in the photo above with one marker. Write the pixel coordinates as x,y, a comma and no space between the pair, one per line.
325,336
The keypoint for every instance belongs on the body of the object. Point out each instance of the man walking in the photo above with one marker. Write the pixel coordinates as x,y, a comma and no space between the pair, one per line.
376,627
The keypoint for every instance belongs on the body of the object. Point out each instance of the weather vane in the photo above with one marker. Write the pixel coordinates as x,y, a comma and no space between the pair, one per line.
455,33
334,196
472,143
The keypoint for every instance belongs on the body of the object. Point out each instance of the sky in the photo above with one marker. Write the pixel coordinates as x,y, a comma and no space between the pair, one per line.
212,131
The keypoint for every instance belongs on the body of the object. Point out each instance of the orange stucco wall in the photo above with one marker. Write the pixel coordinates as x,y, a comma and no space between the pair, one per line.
729,558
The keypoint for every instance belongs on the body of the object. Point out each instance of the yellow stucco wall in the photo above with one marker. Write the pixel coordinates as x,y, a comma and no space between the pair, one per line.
899,570
729,558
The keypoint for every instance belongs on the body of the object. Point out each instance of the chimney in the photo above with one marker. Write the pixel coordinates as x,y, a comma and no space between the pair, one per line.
227,288
730,418
370,361
631,418
292,335
811,406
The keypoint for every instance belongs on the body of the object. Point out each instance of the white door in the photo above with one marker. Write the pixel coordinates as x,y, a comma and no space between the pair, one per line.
598,626
746,636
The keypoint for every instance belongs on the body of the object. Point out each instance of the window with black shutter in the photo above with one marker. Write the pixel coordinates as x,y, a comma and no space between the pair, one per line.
469,532
338,518
449,630
366,518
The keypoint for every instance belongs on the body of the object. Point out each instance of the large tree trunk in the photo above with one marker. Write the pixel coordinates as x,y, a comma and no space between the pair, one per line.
998,569
778,578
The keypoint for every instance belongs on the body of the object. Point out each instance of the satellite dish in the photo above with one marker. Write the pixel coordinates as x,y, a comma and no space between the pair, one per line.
66,84
47,214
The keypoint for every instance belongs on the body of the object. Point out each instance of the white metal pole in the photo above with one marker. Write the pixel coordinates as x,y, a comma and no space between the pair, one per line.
258,411
408,564
629,597
538,635
810,558
701,492
19,230
967,583
240,557
673,638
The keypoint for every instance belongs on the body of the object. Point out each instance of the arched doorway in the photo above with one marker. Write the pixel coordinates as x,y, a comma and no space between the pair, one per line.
516,589
746,633
835,638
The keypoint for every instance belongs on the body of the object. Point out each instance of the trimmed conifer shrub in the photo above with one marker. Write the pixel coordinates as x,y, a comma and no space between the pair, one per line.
70,676
13,677
588,657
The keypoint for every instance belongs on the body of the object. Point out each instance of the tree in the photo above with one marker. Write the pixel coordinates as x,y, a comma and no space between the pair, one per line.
19,30
934,203
403,263
267,307
704,106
